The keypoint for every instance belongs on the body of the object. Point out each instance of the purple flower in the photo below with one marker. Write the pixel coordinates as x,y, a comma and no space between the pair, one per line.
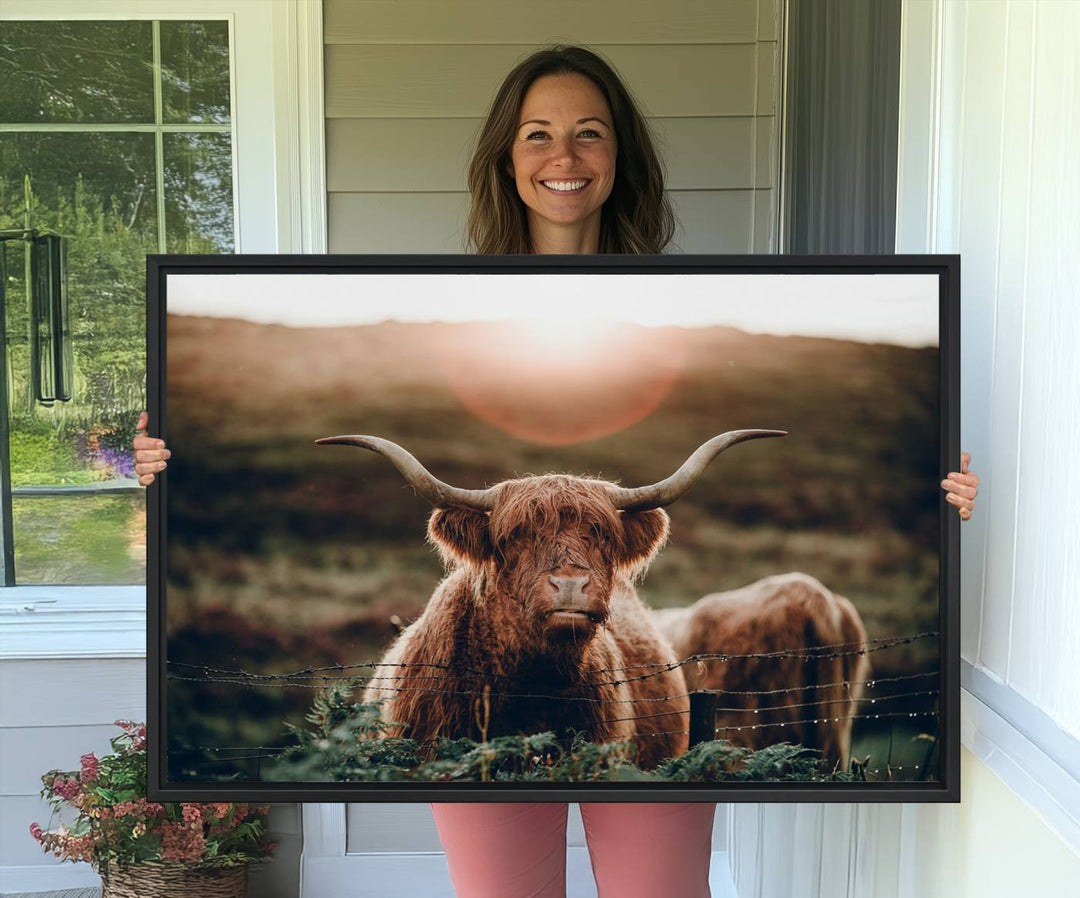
111,462
120,463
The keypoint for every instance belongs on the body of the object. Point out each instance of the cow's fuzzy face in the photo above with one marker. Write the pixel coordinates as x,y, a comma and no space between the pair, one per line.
561,582
552,547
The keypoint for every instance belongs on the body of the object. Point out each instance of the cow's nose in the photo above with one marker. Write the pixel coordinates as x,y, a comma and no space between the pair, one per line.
569,591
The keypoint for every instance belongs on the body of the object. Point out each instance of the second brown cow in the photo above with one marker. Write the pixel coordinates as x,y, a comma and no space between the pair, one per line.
794,670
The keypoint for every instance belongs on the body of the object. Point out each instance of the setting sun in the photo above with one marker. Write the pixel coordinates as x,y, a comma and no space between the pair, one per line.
557,337
560,382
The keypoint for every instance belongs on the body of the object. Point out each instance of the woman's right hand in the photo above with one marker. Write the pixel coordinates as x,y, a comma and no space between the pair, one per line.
150,453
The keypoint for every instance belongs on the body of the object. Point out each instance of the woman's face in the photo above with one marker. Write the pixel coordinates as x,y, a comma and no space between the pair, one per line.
563,154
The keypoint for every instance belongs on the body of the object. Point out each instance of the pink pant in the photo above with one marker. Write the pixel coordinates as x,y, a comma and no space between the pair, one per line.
502,850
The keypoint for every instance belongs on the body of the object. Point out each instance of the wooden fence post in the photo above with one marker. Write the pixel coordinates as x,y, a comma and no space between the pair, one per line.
702,717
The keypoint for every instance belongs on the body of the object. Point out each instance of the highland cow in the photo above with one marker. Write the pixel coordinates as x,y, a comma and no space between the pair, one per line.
539,606
815,676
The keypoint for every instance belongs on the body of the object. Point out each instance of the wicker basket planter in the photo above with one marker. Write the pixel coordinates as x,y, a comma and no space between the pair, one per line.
150,880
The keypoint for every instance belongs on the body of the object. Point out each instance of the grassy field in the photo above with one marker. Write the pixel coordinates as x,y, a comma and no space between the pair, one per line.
284,555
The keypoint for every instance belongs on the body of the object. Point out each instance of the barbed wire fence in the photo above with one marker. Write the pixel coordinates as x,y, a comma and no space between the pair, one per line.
701,716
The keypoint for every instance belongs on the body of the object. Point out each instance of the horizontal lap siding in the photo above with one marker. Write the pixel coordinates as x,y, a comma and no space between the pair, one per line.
424,155
72,693
396,222
408,83
28,752
460,81
55,711
708,221
523,22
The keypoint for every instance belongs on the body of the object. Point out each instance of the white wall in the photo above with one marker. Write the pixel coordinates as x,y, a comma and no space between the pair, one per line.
57,709
1012,89
54,711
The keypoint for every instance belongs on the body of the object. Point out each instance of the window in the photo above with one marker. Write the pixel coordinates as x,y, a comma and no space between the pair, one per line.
116,135
278,179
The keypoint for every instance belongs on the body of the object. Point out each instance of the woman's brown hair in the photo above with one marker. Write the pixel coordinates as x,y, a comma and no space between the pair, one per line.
637,216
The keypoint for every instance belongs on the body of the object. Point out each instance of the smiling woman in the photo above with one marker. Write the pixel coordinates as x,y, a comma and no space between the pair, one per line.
565,164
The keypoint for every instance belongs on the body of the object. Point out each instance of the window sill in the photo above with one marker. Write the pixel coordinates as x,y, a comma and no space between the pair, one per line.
41,622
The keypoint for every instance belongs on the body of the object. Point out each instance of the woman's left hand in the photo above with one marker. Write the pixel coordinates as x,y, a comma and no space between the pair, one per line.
150,453
962,487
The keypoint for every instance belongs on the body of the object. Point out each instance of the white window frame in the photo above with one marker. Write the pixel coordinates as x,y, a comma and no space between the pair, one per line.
279,204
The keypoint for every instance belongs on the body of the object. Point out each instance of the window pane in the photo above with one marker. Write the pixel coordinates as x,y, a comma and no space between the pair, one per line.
198,193
117,188
98,191
76,72
82,540
195,71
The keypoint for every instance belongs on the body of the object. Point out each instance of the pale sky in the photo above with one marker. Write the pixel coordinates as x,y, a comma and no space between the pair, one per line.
881,308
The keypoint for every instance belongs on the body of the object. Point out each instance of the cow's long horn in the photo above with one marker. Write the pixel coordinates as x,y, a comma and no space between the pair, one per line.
657,495
439,494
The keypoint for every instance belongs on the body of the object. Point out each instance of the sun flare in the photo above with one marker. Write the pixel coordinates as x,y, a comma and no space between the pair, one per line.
560,381
551,337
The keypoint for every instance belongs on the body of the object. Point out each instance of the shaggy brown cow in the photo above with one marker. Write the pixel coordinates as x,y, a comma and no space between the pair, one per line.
786,612
538,604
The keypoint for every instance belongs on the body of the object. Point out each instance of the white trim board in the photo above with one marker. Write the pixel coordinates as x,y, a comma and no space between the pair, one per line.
301,126
1025,767
1049,737
39,622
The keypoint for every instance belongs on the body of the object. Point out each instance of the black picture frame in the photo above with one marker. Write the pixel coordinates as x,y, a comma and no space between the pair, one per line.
945,268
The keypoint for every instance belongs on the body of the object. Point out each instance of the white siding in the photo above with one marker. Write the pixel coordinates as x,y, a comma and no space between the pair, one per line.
483,22
408,82
1041,615
1008,200
53,712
